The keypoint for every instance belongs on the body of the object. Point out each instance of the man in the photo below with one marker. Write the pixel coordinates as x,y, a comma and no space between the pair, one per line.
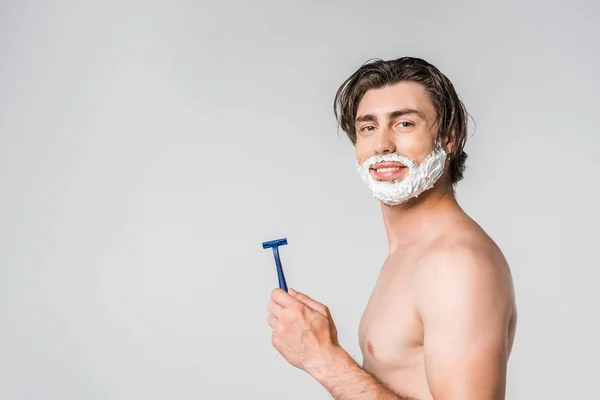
441,320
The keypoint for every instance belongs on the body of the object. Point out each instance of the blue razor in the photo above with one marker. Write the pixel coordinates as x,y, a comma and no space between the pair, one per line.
274,244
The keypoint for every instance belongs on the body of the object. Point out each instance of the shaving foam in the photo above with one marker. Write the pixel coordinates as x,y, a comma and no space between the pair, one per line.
420,177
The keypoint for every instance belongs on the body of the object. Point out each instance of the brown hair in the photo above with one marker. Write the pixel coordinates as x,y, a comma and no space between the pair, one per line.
451,113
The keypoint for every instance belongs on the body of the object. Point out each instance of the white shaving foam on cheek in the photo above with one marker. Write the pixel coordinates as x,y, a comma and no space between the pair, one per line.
420,177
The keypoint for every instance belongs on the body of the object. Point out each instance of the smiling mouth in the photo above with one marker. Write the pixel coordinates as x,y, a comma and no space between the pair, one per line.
387,172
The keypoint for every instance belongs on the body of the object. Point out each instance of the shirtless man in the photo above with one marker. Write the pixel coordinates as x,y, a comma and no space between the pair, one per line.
441,320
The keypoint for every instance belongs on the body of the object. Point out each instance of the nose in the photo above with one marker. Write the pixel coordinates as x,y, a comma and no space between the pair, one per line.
384,142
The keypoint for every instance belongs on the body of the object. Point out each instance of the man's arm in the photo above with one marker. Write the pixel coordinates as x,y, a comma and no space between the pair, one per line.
346,380
464,302
464,298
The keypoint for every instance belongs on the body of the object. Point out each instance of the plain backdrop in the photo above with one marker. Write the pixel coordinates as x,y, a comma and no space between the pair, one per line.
147,148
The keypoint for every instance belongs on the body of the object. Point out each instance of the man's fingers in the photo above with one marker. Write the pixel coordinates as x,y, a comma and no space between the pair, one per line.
315,305
294,298
274,309
283,298
273,321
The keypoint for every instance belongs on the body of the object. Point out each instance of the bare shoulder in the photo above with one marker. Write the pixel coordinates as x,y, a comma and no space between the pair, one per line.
462,265
462,246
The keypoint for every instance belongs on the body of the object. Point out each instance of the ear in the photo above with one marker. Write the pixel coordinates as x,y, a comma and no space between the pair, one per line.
449,142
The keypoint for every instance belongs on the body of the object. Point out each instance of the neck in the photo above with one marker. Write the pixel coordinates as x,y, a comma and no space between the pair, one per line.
406,223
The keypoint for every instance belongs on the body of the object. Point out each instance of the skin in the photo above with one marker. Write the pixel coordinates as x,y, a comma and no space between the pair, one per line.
441,319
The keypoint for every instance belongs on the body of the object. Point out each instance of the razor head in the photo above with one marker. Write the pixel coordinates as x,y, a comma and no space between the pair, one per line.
275,243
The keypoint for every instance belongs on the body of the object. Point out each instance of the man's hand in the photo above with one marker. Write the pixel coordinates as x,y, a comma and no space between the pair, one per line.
303,331
305,335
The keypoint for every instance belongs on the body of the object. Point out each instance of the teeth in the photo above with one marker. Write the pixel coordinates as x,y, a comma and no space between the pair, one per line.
388,169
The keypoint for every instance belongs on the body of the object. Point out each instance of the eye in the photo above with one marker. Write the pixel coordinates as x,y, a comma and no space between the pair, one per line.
367,128
405,124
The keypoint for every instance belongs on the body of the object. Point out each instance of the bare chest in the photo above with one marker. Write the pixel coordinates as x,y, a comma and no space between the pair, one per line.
390,332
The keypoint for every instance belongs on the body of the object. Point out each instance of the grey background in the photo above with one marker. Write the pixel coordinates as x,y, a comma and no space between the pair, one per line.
148,148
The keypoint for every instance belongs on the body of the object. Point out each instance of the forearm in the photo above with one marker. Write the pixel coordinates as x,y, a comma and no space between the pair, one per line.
346,380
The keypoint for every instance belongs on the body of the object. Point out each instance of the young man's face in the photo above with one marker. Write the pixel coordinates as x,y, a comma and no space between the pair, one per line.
395,119
397,151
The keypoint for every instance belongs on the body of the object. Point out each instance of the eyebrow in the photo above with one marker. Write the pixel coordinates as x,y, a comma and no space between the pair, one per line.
391,115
